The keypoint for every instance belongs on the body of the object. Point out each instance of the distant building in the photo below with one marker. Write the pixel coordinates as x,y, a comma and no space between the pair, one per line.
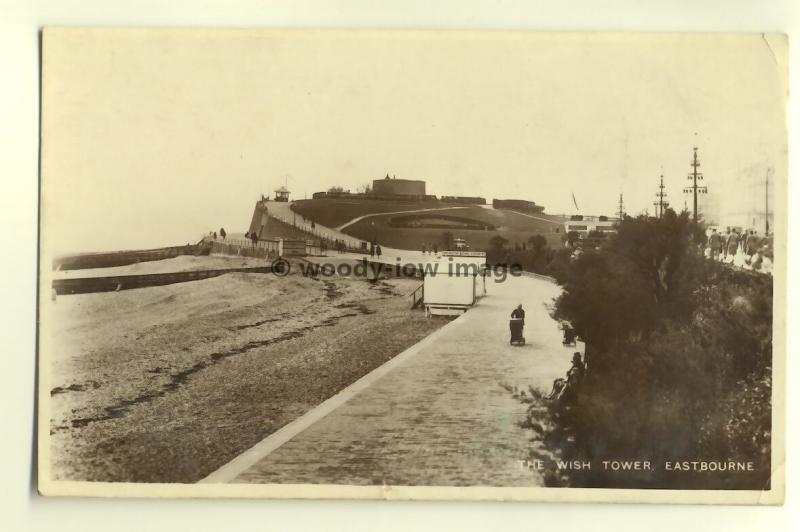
518,205
584,225
466,200
282,194
390,186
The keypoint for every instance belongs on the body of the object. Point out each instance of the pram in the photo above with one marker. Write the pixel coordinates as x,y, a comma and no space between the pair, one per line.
569,336
516,326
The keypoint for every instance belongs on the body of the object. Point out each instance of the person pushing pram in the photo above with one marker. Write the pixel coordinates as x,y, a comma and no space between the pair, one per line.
516,325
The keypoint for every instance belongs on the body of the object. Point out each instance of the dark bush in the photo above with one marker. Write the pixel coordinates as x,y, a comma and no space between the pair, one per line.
678,351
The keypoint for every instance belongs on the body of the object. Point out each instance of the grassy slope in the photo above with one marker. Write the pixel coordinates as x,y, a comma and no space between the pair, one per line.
333,213
515,227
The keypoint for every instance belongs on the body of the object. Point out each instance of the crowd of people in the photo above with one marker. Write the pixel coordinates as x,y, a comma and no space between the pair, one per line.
339,245
212,235
324,244
375,249
430,248
741,248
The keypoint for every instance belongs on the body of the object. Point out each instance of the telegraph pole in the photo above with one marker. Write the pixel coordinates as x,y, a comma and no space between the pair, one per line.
694,177
621,208
661,204
766,205
756,210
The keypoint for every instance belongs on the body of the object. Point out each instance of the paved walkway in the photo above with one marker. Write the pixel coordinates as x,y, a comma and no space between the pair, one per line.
437,414
554,222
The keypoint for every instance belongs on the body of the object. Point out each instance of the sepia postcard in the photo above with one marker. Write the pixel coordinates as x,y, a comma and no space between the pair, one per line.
413,265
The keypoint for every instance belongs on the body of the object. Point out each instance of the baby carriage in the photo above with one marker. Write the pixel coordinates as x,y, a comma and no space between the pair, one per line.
516,326
569,336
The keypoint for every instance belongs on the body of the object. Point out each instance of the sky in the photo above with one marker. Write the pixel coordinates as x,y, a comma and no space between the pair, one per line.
154,137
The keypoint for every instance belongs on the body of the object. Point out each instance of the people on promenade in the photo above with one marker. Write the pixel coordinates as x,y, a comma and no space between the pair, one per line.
740,259
753,241
725,238
715,244
732,245
378,251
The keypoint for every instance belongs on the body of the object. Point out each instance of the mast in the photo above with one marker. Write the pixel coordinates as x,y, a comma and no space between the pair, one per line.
766,205
695,176
661,204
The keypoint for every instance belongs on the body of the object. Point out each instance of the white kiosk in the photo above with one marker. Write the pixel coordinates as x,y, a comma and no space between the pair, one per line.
453,282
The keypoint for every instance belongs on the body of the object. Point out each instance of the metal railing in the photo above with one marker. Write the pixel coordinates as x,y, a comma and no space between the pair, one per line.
242,248
418,296
351,244
126,282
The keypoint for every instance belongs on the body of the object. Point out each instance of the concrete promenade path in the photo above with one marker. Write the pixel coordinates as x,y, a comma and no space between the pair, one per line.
437,414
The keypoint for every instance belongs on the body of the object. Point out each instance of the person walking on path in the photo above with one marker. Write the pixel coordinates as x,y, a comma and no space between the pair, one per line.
732,245
725,243
517,324
715,243
378,251
519,314
752,243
